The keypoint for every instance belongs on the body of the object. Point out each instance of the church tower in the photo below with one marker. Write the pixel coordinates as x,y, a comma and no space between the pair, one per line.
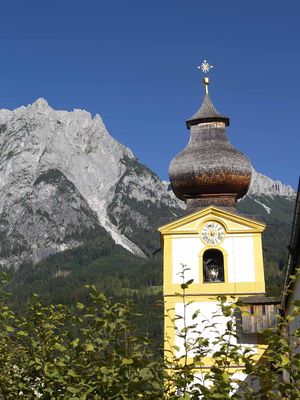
220,248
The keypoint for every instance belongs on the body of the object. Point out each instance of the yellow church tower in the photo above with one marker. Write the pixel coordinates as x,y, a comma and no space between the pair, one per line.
220,248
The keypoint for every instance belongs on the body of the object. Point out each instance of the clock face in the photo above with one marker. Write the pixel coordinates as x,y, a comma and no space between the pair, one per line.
212,233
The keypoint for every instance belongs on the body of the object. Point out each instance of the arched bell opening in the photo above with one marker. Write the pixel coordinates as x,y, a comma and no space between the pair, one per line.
213,266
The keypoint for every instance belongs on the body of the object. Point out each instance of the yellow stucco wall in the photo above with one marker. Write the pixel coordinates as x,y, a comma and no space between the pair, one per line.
240,233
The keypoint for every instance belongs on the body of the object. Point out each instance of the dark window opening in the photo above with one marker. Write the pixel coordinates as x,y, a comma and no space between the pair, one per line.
213,266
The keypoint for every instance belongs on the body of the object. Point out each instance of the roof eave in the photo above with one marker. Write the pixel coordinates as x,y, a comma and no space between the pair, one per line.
203,120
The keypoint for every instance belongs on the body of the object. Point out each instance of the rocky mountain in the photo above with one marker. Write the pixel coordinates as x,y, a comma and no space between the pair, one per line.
261,185
272,200
65,179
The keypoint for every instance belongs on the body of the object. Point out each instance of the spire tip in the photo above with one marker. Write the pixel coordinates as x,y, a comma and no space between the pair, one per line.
205,68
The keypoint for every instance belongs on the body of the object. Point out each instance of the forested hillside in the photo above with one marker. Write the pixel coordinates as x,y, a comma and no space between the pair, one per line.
61,277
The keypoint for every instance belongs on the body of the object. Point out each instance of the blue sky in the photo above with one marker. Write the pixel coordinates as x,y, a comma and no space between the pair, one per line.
134,63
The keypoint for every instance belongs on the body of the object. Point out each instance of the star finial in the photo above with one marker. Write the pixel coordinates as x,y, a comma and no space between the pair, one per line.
205,67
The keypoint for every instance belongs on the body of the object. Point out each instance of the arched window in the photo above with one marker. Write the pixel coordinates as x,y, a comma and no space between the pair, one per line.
213,266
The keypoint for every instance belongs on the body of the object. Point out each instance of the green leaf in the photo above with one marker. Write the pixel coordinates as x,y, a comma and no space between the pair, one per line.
22,333
59,347
146,373
10,328
75,342
127,361
184,286
80,306
284,360
89,347
73,389
72,373
189,282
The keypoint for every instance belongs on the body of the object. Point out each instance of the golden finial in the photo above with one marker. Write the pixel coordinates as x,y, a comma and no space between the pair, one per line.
205,67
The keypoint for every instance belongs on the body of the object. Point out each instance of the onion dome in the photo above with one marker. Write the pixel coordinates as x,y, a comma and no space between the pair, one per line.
209,171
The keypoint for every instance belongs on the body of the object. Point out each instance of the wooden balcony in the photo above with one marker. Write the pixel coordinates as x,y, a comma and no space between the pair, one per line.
259,313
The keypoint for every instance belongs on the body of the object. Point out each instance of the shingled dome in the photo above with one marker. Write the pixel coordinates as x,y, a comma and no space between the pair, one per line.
209,171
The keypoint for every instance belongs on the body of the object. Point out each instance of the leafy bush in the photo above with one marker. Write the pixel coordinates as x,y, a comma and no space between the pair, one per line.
275,376
85,352
94,351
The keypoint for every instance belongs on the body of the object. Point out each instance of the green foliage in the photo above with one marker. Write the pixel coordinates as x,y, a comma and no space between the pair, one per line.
90,351
93,350
99,261
276,376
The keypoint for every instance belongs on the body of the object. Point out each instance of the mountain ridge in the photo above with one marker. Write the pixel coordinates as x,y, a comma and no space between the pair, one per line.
64,178
37,139
261,185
